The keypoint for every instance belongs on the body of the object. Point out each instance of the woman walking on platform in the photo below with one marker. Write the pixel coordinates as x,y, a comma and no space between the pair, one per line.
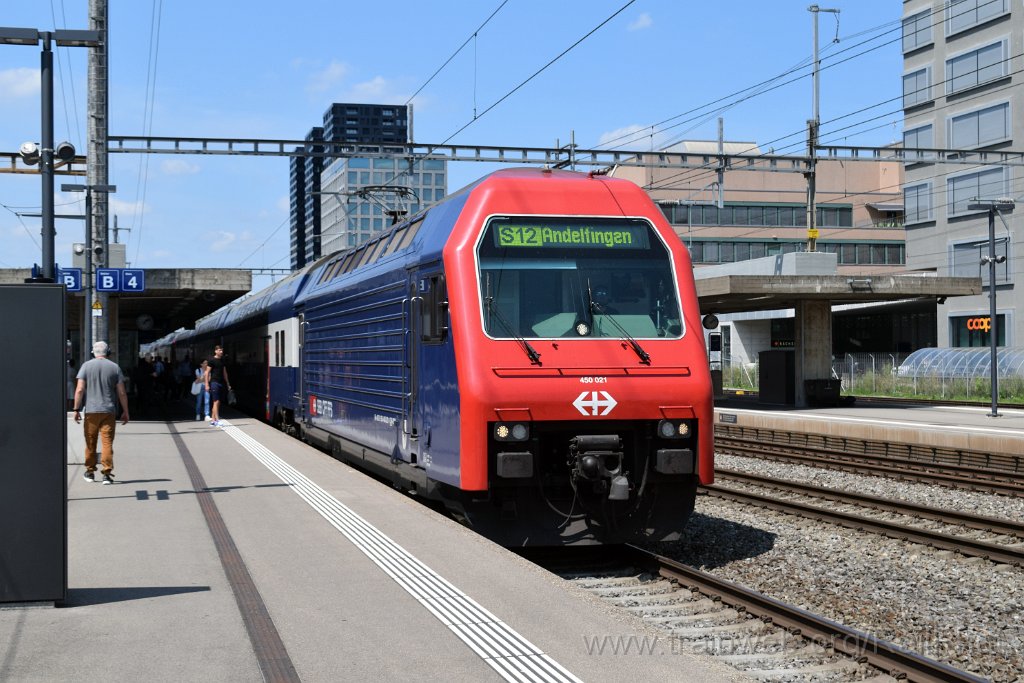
203,396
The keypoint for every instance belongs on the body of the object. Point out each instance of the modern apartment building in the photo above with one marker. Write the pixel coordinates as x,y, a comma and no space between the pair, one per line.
304,206
351,124
362,196
962,63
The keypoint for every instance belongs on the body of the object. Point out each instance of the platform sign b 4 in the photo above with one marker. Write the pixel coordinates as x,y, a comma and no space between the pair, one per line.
120,280
108,280
71,278
133,280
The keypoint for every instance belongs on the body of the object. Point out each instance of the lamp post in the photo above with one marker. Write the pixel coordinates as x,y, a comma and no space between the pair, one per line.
93,329
70,38
992,206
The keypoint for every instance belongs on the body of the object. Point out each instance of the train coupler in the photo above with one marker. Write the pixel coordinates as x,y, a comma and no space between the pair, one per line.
597,458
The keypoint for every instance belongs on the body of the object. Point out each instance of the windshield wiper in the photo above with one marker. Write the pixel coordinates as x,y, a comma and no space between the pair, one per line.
530,352
595,307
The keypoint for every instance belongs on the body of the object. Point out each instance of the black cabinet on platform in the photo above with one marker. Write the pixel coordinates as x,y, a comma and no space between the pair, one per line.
33,445
776,378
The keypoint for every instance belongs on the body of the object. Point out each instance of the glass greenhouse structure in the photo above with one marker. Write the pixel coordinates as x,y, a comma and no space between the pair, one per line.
963,363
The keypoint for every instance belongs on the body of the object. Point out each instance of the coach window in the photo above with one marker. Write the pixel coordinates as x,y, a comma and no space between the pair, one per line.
359,257
396,239
410,233
434,309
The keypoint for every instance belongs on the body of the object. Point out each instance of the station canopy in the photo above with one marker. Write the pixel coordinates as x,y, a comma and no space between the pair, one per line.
967,363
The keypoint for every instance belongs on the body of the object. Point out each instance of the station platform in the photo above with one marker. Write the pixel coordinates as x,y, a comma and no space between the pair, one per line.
968,428
237,553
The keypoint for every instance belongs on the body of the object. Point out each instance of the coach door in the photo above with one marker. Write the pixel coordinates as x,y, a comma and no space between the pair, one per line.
301,413
410,370
428,375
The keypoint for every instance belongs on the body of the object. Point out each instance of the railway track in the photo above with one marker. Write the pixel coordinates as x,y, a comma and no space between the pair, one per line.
1004,480
1009,551
762,637
751,395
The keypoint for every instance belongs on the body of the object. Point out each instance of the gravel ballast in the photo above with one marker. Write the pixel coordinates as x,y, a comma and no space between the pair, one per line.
966,612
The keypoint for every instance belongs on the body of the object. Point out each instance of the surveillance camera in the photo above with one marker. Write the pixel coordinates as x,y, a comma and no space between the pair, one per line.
65,151
78,248
29,152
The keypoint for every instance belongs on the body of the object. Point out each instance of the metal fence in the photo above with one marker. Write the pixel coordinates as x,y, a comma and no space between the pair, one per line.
896,374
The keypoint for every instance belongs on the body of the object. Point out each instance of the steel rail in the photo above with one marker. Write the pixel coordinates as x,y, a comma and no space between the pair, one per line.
982,523
861,464
889,657
1001,464
958,544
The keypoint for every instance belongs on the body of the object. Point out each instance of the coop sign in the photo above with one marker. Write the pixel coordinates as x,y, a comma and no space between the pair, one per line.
983,324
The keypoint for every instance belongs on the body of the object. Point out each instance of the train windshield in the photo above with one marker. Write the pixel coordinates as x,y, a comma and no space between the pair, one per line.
576,277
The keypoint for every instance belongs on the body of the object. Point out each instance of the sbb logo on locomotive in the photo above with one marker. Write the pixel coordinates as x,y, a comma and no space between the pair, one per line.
320,407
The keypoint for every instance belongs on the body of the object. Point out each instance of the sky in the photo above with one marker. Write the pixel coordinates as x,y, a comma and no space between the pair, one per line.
634,76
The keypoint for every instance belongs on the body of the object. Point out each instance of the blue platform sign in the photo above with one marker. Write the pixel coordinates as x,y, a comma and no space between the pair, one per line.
71,278
133,280
108,279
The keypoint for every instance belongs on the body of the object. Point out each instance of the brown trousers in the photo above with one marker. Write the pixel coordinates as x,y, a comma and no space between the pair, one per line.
99,425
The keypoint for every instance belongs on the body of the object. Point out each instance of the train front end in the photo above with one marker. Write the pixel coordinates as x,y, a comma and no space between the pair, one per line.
584,387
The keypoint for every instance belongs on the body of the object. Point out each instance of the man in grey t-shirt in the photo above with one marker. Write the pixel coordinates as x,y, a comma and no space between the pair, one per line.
100,386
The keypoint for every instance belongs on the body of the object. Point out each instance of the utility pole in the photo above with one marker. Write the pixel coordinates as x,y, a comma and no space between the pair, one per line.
721,161
812,137
993,207
97,170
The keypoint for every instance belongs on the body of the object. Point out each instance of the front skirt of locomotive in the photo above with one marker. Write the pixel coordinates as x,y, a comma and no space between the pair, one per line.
620,483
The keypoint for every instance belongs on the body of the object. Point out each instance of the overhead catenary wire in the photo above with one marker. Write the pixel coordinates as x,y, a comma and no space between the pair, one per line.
538,72
459,49
63,55
706,170
493,105
897,27
142,180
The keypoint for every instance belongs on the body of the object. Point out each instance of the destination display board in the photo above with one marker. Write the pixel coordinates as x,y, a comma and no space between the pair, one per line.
547,234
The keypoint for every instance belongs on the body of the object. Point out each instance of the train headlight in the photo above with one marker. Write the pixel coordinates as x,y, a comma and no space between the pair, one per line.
671,429
511,431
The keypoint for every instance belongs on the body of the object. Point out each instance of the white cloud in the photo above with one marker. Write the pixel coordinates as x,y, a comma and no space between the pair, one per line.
22,82
641,22
374,89
220,240
634,138
284,203
627,137
124,209
328,78
179,167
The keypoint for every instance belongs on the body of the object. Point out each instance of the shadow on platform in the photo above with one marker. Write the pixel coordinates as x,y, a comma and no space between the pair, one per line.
81,597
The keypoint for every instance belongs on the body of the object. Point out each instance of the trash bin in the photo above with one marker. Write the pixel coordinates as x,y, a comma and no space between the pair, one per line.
822,392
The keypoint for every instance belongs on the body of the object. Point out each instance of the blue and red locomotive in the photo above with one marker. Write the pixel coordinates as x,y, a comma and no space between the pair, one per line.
528,351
